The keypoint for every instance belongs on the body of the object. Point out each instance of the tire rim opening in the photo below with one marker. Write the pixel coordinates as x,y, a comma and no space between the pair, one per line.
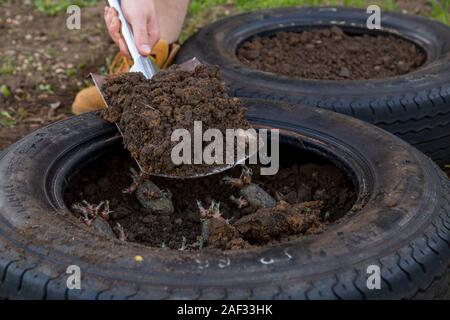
331,53
311,193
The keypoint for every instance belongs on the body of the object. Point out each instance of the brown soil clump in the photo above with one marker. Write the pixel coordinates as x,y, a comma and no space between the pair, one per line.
266,225
331,54
205,212
148,111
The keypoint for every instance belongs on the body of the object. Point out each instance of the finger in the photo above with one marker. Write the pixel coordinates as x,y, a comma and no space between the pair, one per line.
110,14
123,48
109,23
154,31
118,38
113,12
108,17
114,29
116,35
113,25
141,36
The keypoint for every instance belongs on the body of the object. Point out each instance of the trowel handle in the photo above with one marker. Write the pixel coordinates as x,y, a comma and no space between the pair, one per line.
126,30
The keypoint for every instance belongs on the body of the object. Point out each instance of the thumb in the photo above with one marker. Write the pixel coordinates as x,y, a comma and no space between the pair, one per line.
142,37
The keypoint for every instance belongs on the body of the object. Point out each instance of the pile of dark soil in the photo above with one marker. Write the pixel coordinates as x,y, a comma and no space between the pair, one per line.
148,111
308,197
330,54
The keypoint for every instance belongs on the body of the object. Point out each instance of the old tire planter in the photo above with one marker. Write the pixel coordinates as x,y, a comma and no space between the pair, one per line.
403,227
415,106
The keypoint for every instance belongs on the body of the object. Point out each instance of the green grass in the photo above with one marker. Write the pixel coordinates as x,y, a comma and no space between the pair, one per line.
70,72
6,68
440,8
54,7
260,4
46,87
5,91
197,6
247,5
6,120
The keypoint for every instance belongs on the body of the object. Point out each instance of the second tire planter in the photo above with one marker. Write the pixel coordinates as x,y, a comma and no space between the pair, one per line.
414,106
399,223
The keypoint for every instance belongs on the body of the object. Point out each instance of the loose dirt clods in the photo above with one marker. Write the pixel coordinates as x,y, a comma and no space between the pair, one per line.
331,54
148,112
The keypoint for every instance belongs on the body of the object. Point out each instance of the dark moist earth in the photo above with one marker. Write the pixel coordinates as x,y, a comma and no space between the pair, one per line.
330,54
308,198
148,111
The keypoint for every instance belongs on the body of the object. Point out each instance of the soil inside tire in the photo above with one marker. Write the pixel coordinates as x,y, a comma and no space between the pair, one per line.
310,195
331,54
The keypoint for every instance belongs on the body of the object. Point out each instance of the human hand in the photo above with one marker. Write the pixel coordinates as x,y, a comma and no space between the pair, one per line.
141,15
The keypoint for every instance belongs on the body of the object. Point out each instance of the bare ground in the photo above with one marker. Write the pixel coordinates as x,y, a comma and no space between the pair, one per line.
43,65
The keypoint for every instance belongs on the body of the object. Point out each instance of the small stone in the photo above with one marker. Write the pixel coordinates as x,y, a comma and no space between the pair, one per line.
345,73
337,31
403,66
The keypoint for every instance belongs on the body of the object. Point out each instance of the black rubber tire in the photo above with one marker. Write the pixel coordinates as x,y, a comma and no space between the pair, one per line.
415,106
403,226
